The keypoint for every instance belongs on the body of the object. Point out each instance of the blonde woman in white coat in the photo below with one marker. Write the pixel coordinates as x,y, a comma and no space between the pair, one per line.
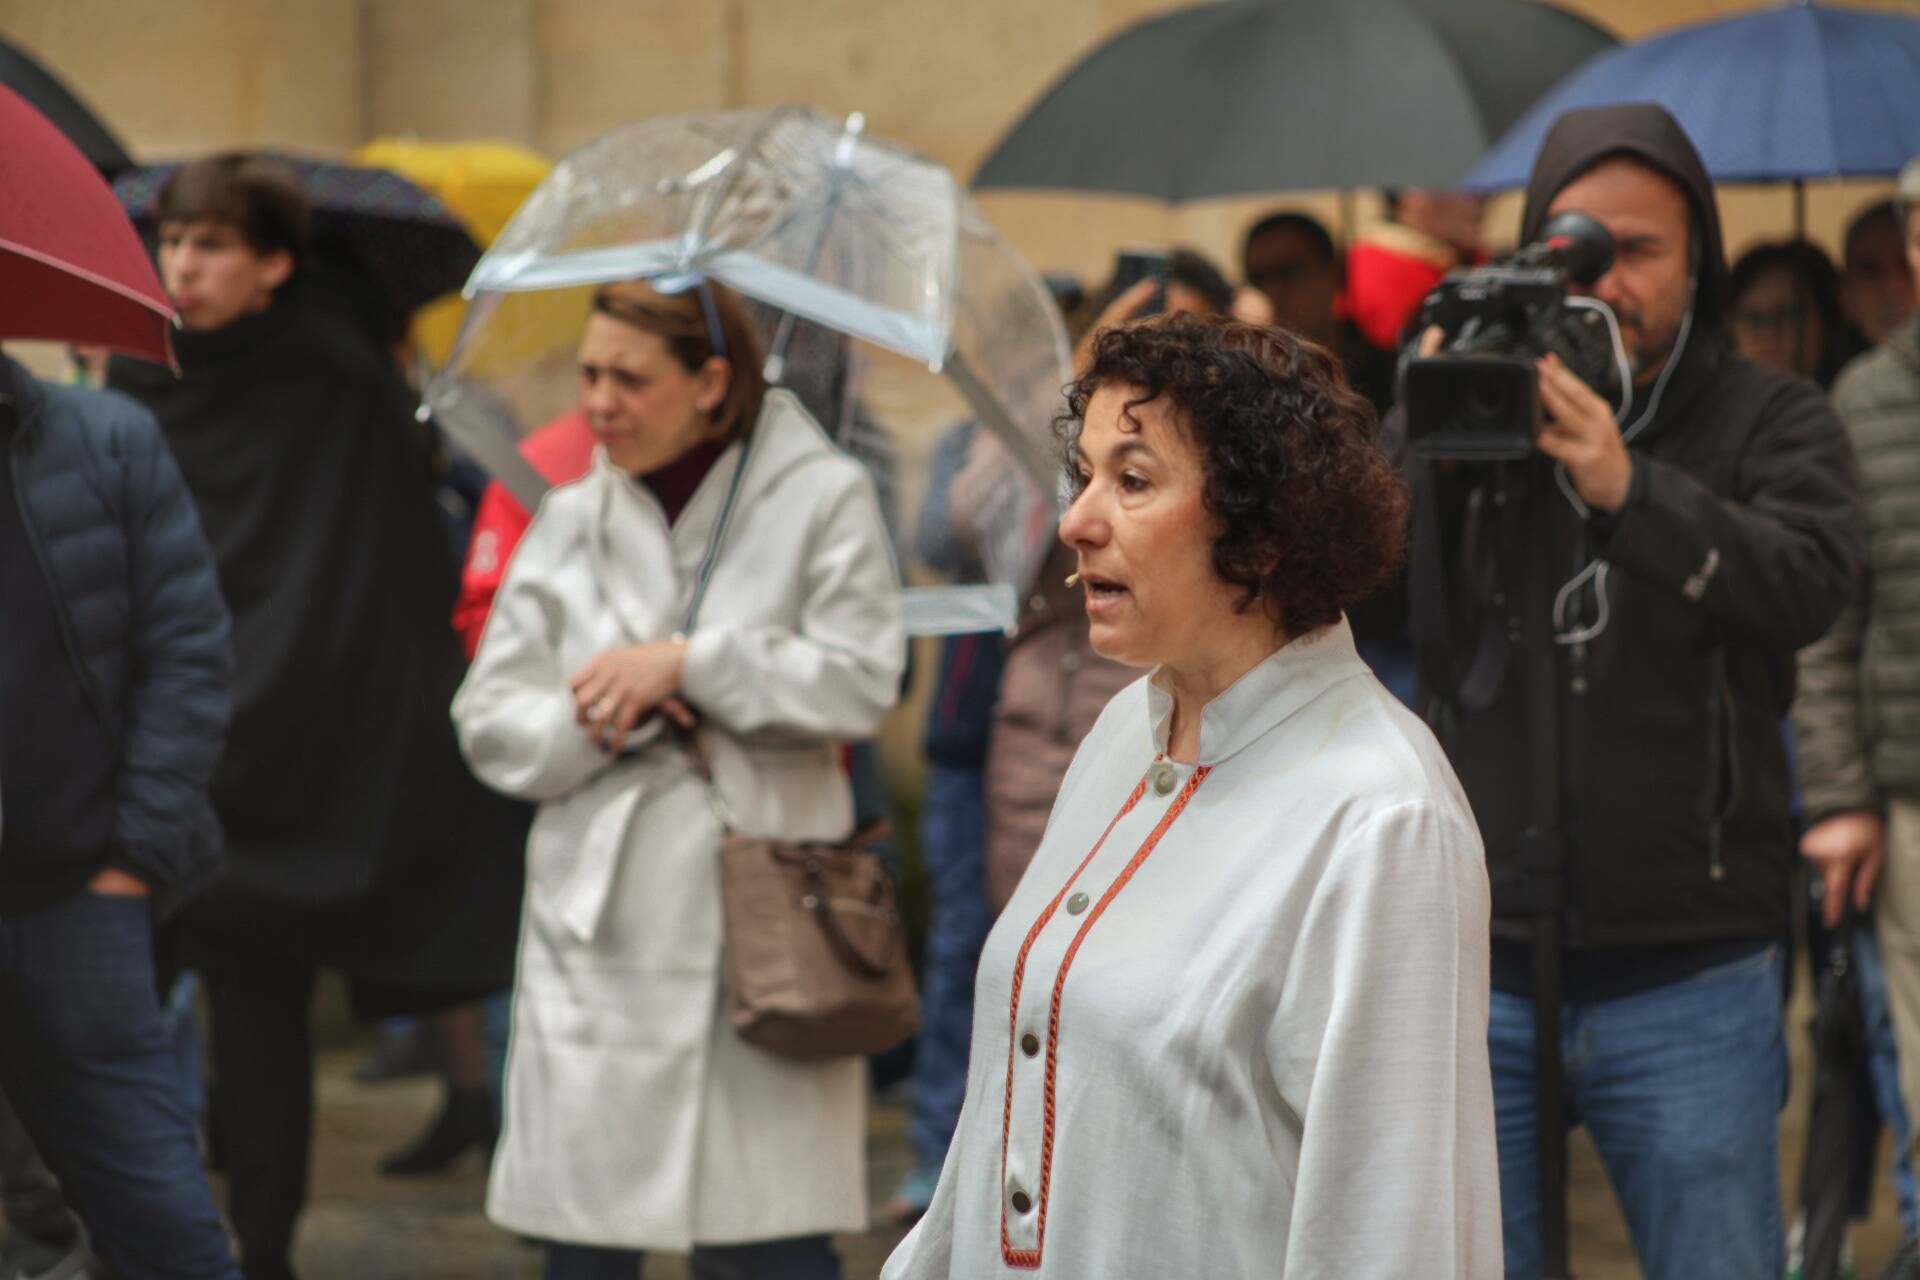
1233,1022
635,1119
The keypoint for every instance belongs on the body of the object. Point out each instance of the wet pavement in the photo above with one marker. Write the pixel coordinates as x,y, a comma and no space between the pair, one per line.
367,1227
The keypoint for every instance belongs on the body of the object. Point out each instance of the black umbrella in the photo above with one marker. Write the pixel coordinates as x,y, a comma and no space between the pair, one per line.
1832,1172
1239,97
39,86
371,221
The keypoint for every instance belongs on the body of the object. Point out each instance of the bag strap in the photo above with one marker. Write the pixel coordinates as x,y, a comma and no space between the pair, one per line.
689,740
712,557
816,902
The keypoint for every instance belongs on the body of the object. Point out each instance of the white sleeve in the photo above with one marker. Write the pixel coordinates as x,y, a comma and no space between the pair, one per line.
1380,1046
515,714
836,673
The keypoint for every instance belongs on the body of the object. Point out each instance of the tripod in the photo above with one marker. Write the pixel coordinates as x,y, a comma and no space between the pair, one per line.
1543,854
1520,641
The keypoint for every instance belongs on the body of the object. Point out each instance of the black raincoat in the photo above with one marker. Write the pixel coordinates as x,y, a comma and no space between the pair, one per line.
357,838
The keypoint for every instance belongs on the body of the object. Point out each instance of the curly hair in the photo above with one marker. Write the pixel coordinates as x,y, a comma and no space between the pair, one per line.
1315,517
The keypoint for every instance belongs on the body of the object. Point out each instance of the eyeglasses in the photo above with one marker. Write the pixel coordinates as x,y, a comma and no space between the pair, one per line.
1786,318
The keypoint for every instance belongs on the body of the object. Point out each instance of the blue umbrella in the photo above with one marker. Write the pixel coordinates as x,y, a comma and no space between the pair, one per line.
1780,95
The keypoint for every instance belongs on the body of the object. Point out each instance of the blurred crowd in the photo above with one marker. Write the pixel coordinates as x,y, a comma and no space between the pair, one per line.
310,694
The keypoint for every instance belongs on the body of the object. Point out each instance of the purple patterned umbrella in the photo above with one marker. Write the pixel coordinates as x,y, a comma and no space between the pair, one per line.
370,220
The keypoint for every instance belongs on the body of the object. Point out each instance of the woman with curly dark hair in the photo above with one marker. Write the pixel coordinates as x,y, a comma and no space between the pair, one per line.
1233,1021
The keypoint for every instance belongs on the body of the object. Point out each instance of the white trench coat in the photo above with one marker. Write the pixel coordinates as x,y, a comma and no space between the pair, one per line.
635,1118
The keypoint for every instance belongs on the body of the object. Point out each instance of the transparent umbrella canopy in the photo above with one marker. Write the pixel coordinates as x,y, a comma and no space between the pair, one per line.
830,230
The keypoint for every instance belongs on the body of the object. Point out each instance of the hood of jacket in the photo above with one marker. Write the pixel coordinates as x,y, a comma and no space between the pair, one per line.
1581,139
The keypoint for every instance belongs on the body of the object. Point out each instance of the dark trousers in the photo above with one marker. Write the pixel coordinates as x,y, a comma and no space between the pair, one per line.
953,830
800,1258
261,1107
29,1193
90,1069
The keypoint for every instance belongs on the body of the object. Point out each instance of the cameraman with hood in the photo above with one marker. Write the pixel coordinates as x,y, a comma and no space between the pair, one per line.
1698,545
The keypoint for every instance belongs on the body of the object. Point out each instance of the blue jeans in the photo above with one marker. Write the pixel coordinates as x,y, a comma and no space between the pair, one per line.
953,822
801,1258
1681,1089
1883,1067
89,1065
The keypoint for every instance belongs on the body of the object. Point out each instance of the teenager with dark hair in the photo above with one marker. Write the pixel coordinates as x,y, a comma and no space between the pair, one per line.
358,841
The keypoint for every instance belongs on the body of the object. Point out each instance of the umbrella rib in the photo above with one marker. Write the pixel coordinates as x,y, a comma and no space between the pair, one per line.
697,233
165,312
1825,97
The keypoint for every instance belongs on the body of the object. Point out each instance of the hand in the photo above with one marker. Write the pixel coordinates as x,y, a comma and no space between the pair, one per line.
1123,308
111,882
621,687
1582,436
1846,849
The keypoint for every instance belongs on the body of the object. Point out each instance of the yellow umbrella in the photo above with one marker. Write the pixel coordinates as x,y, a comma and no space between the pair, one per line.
483,183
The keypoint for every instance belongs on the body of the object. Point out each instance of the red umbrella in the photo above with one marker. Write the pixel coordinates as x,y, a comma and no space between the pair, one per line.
72,268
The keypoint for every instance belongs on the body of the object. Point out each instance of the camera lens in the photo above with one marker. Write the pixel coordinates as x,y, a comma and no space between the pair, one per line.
1489,399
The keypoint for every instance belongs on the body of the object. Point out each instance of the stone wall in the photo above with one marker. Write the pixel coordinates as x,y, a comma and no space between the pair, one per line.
946,76
179,77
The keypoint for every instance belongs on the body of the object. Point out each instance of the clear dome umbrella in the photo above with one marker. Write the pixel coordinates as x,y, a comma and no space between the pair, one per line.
829,229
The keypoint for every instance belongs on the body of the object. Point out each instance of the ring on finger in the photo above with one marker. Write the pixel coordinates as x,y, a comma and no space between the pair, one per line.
603,708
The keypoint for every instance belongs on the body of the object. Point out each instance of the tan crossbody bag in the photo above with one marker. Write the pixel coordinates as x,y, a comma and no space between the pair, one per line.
815,956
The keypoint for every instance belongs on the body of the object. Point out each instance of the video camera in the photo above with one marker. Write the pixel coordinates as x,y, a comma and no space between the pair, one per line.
1478,399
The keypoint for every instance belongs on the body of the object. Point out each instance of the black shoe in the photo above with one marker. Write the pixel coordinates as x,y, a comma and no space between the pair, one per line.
464,1124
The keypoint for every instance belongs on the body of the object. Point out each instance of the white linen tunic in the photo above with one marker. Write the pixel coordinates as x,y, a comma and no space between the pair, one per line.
1233,1022
635,1117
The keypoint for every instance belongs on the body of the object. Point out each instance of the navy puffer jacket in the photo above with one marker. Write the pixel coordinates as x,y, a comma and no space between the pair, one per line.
117,534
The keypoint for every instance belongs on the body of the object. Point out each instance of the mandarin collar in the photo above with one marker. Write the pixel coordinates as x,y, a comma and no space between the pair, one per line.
1279,686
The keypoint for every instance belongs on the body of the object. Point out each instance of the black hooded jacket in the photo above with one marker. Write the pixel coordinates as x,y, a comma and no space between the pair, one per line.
1736,546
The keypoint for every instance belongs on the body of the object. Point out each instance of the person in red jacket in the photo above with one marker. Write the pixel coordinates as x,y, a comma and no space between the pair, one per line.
1395,264
560,451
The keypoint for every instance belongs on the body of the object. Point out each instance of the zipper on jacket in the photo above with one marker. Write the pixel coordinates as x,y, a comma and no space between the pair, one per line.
1720,780
72,646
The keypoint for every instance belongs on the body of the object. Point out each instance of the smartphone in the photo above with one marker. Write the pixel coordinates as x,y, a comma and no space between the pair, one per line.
1135,263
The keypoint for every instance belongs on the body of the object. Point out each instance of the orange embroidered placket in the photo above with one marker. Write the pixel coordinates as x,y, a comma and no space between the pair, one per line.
1029,1259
